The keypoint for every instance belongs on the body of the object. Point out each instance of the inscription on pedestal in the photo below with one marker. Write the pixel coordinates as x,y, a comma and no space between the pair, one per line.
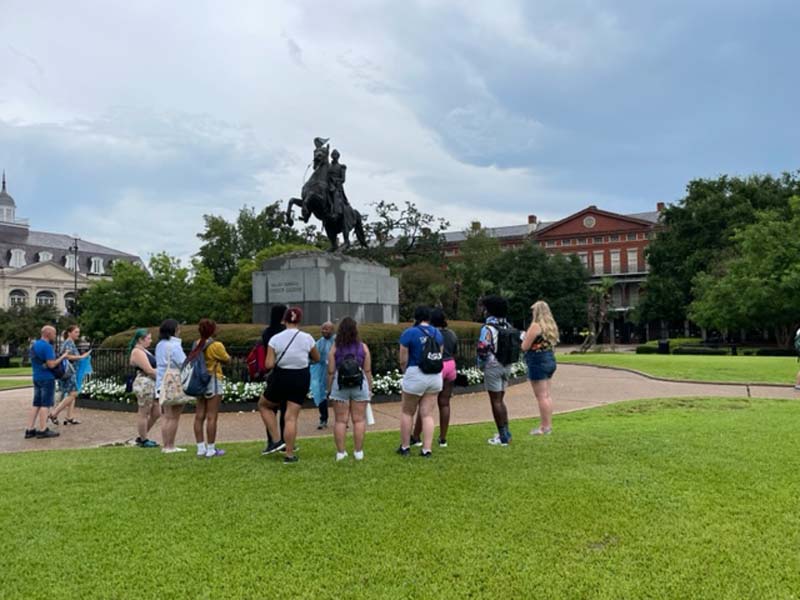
285,286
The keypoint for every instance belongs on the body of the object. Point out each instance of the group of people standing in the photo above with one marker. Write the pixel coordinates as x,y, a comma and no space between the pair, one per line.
336,369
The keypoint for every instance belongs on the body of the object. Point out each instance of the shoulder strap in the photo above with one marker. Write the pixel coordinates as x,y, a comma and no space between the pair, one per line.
287,347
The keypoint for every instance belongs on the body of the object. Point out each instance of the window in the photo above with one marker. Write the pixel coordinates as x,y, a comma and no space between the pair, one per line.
581,241
598,263
631,236
584,258
69,302
633,260
616,296
18,298
17,258
615,261
598,240
614,238
69,262
633,296
45,256
550,243
97,266
589,222
45,299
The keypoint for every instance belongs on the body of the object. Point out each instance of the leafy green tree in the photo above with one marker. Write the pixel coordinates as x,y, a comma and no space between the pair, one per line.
470,272
21,324
699,230
422,283
757,283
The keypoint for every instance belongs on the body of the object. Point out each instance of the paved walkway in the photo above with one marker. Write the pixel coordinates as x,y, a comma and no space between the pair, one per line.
575,387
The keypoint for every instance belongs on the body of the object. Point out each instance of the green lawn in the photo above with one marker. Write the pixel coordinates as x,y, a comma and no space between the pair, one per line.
15,371
688,498
745,369
12,383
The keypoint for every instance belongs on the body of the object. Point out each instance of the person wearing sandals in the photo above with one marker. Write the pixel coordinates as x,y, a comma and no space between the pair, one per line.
144,385
348,386
289,355
449,349
69,386
207,408
420,390
495,374
538,343
169,353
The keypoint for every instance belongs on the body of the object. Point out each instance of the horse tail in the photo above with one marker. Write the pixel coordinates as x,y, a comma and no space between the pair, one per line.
359,227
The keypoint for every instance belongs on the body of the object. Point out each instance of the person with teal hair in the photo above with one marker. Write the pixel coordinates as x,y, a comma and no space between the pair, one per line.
144,385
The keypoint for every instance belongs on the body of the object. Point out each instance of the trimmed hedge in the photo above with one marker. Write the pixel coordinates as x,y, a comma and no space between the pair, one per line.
646,349
247,334
701,350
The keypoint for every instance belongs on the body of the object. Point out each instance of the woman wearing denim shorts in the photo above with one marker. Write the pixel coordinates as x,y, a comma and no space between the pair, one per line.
207,409
349,401
538,343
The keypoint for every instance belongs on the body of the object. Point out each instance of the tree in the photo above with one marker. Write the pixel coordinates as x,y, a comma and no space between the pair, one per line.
421,283
598,307
757,283
20,324
225,244
470,272
699,230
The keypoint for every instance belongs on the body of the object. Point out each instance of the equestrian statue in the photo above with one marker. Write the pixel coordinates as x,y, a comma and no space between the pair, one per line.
323,196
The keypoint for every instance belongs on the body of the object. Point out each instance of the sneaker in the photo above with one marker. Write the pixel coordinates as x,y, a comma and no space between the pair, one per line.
172,450
287,460
215,452
797,387
296,447
322,424
496,441
358,455
30,433
341,456
426,454
403,451
47,433
442,443
148,444
274,447
541,431
416,442
201,453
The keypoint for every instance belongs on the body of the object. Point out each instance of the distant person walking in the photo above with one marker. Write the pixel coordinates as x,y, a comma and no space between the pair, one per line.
449,350
349,381
207,407
319,373
289,354
538,344
275,327
144,385
495,374
69,386
43,360
420,385
169,355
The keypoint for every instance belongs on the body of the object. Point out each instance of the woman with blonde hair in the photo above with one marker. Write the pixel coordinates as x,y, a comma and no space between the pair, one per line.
538,344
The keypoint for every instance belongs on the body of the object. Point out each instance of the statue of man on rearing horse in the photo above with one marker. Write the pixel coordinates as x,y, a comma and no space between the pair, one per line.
323,196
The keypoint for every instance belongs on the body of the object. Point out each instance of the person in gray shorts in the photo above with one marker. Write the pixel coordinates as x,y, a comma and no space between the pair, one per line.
495,375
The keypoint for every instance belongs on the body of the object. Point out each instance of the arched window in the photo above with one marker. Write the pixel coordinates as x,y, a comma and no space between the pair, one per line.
69,302
18,298
17,258
44,256
45,299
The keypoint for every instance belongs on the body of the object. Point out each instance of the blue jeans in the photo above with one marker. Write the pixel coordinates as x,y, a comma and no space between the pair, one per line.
541,365
44,393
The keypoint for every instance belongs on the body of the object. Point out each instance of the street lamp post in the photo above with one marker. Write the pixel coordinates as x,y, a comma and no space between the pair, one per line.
74,250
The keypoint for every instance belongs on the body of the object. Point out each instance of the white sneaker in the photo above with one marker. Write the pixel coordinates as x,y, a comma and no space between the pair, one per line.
495,441
358,455
201,453
341,456
172,450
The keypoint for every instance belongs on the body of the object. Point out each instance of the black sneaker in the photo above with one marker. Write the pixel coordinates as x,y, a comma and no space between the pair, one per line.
273,447
283,449
415,442
322,425
30,433
403,451
287,460
47,433
442,443
427,454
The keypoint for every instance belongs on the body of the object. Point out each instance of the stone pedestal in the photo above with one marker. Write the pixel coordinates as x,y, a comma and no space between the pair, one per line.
327,287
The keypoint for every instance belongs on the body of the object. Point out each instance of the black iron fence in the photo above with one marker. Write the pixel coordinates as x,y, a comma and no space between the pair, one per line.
113,362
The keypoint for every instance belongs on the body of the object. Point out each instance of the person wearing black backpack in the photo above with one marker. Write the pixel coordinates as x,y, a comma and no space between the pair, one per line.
421,363
349,384
207,407
495,373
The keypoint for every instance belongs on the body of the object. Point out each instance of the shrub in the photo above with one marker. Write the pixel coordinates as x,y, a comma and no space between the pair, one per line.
775,352
646,349
701,350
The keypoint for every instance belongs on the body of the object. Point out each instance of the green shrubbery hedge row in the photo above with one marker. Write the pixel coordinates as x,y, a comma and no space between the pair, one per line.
675,347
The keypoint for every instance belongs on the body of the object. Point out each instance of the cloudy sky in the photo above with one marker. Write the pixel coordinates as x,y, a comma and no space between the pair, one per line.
125,122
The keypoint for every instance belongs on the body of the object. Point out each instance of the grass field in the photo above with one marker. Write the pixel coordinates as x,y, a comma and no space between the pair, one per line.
688,498
12,383
11,371
743,369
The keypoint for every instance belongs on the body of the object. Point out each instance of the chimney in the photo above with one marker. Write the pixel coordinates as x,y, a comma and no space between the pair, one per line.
532,220
659,206
476,225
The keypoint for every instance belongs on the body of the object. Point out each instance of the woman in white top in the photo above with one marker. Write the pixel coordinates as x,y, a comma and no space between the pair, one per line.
169,352
289,355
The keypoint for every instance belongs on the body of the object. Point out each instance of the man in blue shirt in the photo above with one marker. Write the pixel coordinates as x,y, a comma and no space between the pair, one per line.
319,373
43,360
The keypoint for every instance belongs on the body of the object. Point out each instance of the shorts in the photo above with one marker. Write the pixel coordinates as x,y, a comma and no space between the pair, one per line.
359,394
67,386
541,365
214,387
145,390
44,393
289,385
449,370
417,383
496,376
